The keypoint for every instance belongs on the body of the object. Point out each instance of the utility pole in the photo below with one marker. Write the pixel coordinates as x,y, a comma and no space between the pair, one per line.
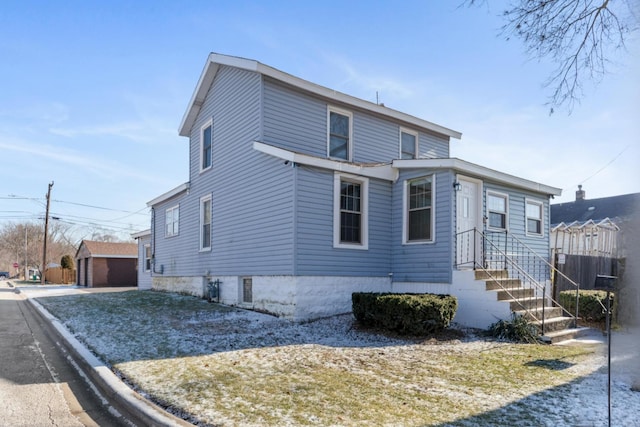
46,229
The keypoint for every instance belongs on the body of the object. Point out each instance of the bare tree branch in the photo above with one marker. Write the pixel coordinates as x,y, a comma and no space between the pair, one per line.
579,36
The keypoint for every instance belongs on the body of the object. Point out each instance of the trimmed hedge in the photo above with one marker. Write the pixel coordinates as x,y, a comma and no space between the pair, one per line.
409,314
589,309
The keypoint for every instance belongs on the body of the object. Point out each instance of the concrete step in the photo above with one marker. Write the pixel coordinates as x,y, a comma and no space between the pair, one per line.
554,324
556,337
502,283
526,303
515,293
537,313
488,274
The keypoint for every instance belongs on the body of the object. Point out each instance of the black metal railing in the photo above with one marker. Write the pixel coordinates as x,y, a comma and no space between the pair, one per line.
494,252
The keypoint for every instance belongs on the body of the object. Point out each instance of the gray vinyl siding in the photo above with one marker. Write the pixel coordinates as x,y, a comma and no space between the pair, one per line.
251,194
316,255
517,218
425,262
298,122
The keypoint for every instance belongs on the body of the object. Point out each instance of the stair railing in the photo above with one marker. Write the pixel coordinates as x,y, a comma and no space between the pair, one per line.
490,251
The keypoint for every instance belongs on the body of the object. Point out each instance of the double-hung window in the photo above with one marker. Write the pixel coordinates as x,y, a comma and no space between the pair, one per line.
408,144
147,257
172,221
350,212
497,210
339,134
534,217
419,217
206,145
205,223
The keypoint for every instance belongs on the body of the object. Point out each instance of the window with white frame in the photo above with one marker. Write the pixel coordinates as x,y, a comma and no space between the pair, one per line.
339,134
350,219
147,257
534,217
497,210
419,217
172,220
205,223
408,144
206,144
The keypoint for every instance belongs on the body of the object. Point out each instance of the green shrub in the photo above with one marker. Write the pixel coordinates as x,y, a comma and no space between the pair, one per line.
517,329
590,308
410,314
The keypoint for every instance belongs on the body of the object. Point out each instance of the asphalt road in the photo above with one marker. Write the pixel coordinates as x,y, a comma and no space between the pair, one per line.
40,383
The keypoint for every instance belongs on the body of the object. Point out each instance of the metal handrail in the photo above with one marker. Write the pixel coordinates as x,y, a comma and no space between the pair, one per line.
510,261
555,271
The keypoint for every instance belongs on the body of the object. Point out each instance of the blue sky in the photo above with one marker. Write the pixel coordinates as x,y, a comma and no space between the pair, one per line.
92,94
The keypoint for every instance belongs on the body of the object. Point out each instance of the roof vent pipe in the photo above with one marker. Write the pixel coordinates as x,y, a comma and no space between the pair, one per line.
580,194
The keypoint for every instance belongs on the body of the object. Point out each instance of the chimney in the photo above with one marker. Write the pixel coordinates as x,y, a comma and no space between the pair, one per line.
580,194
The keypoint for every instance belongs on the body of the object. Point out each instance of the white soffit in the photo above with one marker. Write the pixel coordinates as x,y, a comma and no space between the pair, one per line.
169,194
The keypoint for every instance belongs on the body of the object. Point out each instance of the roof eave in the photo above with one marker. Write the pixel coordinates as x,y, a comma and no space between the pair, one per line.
482,171
215,60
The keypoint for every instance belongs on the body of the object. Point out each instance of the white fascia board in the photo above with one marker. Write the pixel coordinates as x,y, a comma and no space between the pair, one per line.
481,171
215,60
380,171
140,234
169,194
114,256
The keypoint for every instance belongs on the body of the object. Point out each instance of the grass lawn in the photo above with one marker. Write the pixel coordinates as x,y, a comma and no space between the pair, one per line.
224,366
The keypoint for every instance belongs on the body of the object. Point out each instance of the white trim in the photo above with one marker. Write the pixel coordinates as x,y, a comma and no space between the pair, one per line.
481,171
506,213
169,194
371,170
112,256
141,234
417,144
144,257
342,112
364,202
405,211
540,203
204,199
175,230
215,60
209,123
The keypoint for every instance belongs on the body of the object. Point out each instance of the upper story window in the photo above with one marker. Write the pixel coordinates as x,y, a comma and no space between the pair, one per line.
497,210
419,218
339,134
408,144
172,220
206,144
147,257
350,212
534,217
205,223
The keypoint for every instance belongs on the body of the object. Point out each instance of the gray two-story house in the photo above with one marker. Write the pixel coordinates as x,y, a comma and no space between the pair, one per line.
299,195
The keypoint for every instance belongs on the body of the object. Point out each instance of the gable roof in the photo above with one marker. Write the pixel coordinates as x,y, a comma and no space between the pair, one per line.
109,249
215,60
615,208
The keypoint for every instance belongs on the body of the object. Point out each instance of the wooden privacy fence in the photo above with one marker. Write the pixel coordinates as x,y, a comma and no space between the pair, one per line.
60,275
583,270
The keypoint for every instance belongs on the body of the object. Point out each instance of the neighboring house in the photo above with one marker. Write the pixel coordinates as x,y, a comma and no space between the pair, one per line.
595,227
106,264
144,259
299,195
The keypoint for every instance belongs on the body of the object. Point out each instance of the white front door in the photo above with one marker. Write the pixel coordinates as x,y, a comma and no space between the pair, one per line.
468,217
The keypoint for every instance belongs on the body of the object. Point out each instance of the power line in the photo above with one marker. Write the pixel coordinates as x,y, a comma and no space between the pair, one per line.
604,167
